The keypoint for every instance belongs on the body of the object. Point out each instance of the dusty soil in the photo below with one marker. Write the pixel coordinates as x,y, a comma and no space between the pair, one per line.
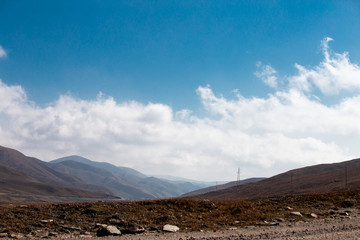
323,216
344,227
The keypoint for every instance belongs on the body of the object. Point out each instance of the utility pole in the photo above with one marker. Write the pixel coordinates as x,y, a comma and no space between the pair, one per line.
238,177
291,182
346,178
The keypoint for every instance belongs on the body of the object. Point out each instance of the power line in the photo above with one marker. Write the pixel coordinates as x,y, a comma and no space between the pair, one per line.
238,177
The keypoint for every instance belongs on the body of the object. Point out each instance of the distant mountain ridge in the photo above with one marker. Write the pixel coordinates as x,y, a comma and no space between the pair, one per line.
124,182
65,176
110,167
100,177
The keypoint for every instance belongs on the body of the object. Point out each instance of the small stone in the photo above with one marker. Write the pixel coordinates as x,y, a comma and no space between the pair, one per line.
314,215
170,228
296,214
42,234
289,208
280,219
17,235
108,231
52,234
3,235
347,203
85,236
101,225
47,221
274,224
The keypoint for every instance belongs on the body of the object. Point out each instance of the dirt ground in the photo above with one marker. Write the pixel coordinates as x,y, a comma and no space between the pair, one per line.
321,216
335,227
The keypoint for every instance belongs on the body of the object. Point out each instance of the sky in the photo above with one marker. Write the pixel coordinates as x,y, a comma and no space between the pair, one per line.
195,89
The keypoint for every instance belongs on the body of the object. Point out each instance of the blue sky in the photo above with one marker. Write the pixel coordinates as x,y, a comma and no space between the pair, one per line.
161,51
176,60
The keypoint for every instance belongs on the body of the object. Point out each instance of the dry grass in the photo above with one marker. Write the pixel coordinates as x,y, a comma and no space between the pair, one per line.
187,214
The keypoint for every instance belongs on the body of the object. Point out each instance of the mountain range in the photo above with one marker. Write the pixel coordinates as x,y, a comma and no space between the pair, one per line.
78,177
75,178
125,182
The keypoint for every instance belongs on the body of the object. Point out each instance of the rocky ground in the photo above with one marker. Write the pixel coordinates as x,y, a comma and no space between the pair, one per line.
317,216
343,224
337,227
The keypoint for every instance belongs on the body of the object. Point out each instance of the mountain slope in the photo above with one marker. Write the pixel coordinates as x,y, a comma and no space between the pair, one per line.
126,182
104,165
39,170
221,187
99,176
313,179
15,186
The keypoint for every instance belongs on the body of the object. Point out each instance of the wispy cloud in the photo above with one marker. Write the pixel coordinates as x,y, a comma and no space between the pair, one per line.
267,74
334,74
3,54
263,136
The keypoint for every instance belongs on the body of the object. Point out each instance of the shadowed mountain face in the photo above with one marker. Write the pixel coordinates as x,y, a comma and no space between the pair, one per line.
38,170
122,171
101,177
75,172
124,182
25,179
314,179
15,182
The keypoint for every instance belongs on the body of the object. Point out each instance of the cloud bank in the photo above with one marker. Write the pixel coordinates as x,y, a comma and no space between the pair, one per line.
263,136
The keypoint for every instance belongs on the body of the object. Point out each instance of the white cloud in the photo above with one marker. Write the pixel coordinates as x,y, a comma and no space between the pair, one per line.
262,136
267,74
2,52
334,74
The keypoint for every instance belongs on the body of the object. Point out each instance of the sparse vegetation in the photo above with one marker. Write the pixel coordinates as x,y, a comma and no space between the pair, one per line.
189,215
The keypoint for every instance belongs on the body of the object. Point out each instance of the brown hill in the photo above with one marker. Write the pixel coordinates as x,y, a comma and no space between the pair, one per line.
313,179
16,186
221,187
38,170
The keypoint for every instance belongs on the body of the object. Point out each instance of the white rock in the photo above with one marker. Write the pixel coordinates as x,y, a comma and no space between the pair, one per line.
3,235
296,214
47,221
170,228
108,231
113,230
